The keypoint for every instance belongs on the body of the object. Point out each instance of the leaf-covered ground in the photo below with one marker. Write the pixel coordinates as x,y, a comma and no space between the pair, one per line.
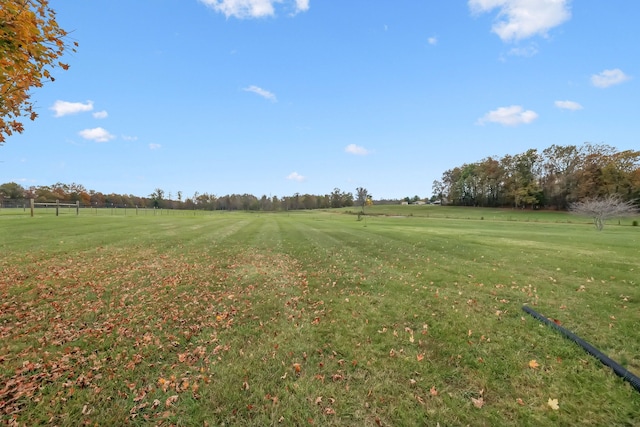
313,320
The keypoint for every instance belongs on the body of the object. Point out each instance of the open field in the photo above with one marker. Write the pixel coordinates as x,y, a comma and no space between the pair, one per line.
315,318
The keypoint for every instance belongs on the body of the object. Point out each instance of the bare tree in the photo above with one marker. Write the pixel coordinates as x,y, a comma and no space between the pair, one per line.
362,196
604,208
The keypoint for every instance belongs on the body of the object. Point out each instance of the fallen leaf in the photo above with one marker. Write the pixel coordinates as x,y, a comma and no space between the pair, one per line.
140,396
420,357
171,400
433,391
478,403
520,402
553,403
533,364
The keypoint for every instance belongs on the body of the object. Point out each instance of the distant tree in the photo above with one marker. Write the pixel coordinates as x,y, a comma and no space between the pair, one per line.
362,195
12,190
265,203
96,198
336,198
30,44
156,197
347,199
561,165
603,208
438,189
276,203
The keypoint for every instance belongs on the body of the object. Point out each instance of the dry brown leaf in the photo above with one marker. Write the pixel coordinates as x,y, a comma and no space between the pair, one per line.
171,400
533,364
478,403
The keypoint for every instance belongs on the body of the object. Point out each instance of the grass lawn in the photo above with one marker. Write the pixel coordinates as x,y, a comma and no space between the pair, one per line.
410,317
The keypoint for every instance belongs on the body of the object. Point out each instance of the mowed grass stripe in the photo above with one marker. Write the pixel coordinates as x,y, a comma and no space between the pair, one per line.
456,258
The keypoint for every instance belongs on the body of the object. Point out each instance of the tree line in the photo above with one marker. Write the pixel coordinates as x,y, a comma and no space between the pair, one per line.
554,178
13,193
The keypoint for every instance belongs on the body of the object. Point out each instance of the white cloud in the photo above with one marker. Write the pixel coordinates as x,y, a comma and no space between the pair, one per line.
356,149
521,19
96,134
253,8
154,146
263,93
101,114
295,176
302,5
129,138
568,105
609,78
509,116
432,41
64,108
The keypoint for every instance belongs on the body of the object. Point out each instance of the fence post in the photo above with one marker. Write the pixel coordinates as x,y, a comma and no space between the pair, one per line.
32,203
77,207
57,206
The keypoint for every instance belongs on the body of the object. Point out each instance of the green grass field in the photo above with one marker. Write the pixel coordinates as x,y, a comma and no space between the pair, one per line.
409,317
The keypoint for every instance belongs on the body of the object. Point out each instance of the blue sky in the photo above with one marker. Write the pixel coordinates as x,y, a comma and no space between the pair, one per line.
279,97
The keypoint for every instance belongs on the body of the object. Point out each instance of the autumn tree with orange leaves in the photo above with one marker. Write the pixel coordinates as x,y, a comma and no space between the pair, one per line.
31,42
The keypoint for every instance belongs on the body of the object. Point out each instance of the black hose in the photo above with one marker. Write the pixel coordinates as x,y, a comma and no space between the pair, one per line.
619,370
